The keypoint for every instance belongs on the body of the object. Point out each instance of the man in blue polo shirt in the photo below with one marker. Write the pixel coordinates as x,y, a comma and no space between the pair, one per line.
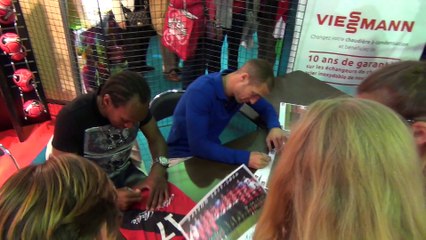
209,104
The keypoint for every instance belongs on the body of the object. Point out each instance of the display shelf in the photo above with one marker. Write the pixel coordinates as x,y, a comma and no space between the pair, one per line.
21,88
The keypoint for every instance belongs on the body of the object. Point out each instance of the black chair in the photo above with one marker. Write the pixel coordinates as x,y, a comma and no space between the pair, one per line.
162,107
163,104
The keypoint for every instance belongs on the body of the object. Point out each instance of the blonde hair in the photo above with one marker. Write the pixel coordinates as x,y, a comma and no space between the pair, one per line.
67,197
349,171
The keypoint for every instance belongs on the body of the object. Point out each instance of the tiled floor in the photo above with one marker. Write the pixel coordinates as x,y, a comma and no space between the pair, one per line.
155,78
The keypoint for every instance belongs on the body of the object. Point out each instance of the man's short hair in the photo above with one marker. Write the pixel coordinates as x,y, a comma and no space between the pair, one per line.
123,86
260,71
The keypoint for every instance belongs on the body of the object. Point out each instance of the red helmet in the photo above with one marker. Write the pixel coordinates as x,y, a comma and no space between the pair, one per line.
33,108
10,43
24,79
7,15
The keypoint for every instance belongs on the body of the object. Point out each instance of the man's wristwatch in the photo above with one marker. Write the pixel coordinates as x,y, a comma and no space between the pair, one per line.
163,161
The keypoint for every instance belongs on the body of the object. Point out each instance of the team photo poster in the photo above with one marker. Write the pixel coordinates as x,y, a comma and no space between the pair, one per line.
229,211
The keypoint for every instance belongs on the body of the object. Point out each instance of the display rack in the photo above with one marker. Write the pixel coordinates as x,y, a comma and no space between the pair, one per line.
22,96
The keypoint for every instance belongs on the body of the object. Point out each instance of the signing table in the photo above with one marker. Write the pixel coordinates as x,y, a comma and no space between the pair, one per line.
193,179
196,177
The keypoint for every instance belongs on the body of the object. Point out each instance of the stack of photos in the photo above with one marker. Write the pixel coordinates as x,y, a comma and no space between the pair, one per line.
228,211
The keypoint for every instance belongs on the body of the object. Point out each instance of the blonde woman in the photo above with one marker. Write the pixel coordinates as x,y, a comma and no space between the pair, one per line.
350,170
66,197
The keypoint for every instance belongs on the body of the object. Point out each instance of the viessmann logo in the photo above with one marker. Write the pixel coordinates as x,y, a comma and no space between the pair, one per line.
355,22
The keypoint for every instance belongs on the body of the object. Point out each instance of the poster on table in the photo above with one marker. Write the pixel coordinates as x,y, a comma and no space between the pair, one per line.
341,41
229,211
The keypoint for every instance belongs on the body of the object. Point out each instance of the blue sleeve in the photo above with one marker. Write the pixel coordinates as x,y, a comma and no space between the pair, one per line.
267,112
197,122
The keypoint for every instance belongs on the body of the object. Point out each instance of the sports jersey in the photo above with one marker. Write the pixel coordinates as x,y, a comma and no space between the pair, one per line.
140,224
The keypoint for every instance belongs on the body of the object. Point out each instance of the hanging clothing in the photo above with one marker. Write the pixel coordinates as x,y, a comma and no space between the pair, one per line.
251,23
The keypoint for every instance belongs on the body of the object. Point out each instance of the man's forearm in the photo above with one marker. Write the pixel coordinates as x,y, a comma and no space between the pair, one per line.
158,171
217,152
158,148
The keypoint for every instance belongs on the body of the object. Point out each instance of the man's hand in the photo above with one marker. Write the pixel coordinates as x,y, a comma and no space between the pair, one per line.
258,160
127,197
156,183
275,139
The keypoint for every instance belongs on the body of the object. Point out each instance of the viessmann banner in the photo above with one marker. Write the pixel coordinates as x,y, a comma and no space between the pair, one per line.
342,41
